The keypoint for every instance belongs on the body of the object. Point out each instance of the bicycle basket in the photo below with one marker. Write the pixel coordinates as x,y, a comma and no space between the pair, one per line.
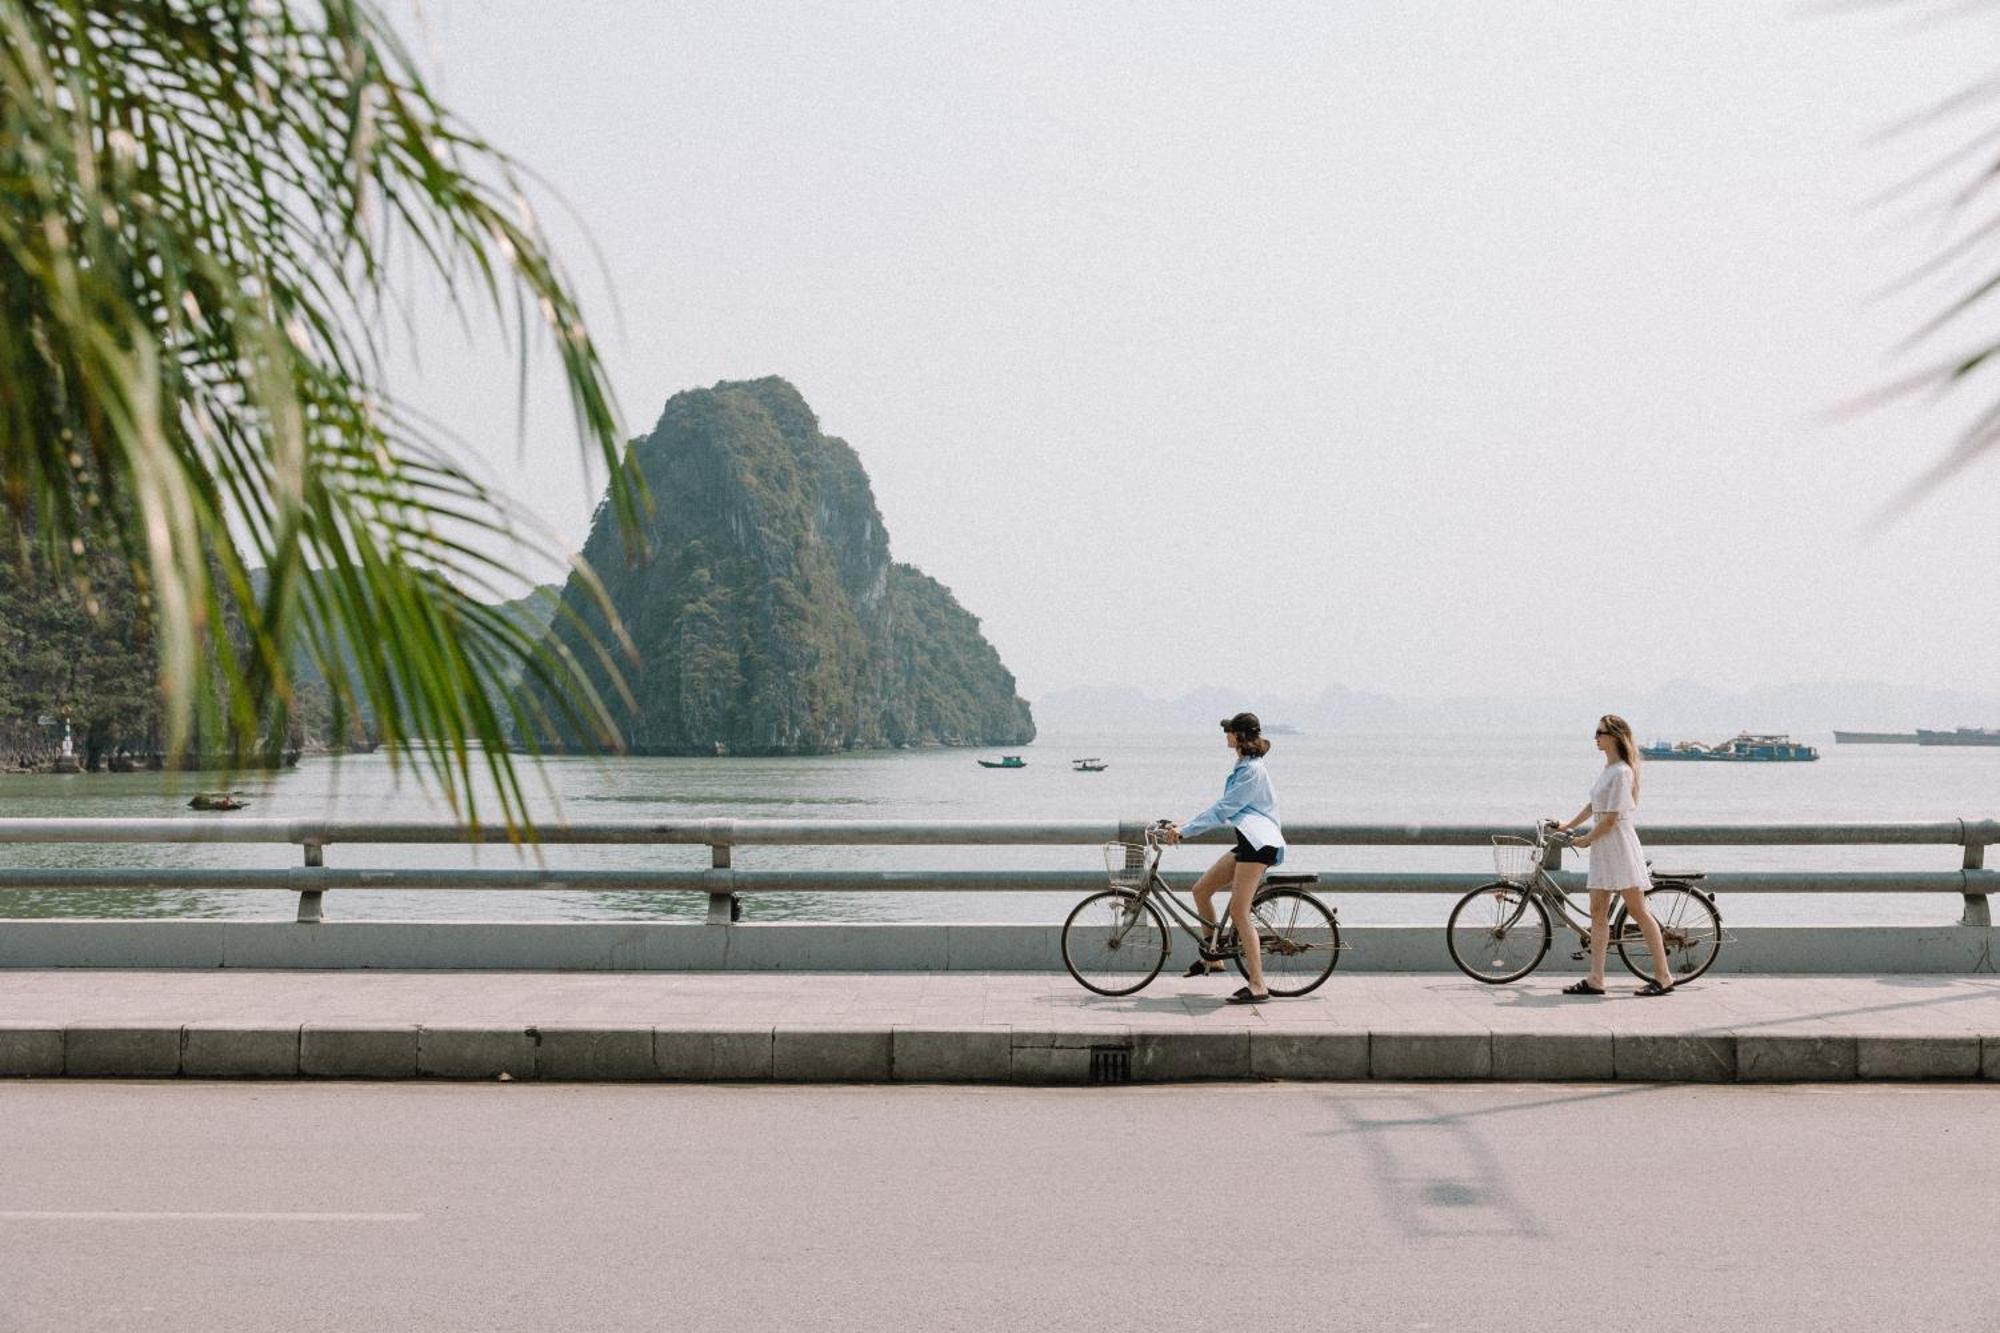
1128,864
1516,859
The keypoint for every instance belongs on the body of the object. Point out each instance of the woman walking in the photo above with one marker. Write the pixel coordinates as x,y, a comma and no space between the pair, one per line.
1249,806
1617,862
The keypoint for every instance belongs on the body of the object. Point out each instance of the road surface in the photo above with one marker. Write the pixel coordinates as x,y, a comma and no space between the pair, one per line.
1492,1207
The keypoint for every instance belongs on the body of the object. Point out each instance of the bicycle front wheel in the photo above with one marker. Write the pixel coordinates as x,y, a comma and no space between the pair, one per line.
1114,942
1298,938
1690,927
1498,933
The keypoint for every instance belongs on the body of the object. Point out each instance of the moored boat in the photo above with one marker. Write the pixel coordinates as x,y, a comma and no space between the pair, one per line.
1004,761
1745,747
1959,736
1089,765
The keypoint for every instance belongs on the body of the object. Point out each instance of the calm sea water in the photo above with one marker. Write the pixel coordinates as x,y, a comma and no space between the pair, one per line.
1360,778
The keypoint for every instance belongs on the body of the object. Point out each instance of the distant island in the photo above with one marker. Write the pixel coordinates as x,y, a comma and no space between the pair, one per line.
768,616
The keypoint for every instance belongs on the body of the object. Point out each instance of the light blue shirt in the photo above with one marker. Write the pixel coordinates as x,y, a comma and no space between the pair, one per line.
1248,805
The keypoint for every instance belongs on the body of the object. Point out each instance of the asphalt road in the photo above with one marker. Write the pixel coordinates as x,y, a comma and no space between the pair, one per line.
208,1206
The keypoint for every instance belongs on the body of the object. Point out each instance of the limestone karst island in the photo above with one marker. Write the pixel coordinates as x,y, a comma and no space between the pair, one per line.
768,616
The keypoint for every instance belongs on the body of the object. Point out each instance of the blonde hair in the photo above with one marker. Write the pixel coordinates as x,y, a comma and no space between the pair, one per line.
1622,742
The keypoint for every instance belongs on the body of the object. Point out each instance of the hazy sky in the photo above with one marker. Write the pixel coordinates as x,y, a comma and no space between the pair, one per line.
1426,347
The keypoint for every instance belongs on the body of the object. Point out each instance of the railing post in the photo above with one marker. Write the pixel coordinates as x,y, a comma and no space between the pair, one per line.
724,907
1977,910
309,899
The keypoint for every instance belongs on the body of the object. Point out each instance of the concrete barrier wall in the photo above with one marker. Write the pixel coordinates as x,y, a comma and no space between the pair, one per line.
669,947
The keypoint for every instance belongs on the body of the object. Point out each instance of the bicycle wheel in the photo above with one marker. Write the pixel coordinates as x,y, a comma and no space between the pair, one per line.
1114,942
1299,939
1498,933
1690,927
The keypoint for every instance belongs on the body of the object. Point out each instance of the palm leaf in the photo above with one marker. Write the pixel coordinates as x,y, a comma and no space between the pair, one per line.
1958,195
200,205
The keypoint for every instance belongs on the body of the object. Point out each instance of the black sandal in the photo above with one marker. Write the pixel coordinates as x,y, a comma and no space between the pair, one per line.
1200,968
1247,996
1582,988
1652,988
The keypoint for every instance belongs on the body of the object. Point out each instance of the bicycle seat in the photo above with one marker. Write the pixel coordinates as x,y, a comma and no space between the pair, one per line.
1289,881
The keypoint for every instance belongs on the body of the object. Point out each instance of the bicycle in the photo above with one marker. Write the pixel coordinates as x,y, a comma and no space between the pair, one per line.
1116,941
1500,932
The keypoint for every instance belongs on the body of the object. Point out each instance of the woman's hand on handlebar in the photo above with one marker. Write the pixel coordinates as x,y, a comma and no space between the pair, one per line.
1170,832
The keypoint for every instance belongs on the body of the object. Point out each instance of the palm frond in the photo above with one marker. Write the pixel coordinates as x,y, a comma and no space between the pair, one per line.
1953,193
199,205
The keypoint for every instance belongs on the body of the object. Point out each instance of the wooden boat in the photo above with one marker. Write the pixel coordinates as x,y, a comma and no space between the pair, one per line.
1004,761
217,800
1088,765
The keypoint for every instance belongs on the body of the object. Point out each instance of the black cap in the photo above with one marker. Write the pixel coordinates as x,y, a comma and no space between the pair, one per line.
1243,724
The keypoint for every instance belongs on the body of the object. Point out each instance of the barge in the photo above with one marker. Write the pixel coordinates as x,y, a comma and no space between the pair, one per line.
1743,748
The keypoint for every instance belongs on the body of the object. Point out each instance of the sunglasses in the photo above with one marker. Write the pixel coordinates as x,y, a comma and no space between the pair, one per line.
1600,732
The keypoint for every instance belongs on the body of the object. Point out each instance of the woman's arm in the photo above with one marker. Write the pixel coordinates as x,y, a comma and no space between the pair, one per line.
1574,820
1235,796
1604,824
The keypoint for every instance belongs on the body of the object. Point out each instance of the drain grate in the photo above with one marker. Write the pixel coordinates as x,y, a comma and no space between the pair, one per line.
1111,1064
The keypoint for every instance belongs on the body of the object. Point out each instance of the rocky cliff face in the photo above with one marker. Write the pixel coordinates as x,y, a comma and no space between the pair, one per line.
768,617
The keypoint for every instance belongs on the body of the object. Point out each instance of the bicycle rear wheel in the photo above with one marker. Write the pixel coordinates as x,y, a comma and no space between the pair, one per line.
1690,927
1114,942
1299,940
1498,933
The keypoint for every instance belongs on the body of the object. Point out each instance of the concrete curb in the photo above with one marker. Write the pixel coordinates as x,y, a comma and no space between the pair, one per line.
990,1053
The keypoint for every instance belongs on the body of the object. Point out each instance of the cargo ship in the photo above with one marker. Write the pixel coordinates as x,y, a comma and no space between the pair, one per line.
1960,736
1743,748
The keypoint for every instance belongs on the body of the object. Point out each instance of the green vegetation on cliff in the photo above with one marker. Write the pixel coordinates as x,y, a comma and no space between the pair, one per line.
64,651
768,617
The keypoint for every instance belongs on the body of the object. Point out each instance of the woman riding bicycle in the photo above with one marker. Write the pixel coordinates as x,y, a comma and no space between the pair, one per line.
1617,862
1250,806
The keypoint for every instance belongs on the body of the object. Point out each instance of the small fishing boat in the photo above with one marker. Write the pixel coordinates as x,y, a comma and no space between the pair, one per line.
1004,761
217,800
1088,765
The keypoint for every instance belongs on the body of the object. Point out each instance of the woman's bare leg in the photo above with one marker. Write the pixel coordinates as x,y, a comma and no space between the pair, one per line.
1600,934
1248,876
1213,880
1635,907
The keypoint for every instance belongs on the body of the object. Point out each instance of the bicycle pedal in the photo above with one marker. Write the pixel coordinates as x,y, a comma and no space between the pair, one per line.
1577,957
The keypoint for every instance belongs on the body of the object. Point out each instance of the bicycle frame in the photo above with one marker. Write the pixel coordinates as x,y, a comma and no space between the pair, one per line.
1553,897
1186,918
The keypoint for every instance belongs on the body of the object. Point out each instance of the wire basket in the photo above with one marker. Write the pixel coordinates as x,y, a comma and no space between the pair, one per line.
1516,859
1129,864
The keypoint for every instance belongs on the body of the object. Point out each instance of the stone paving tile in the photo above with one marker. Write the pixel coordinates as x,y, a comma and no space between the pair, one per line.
1885,1006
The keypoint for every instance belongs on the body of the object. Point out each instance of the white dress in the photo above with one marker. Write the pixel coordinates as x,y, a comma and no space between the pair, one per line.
1616,860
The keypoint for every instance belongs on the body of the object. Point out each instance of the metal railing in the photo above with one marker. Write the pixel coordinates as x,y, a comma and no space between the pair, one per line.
723,883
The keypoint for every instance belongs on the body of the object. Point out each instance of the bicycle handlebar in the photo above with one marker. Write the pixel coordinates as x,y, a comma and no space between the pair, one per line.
1550,833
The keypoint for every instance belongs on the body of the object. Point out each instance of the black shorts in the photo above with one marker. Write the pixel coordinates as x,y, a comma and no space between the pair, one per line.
1245,854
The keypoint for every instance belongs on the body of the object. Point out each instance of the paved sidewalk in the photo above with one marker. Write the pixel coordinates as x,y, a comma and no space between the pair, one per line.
996,1027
